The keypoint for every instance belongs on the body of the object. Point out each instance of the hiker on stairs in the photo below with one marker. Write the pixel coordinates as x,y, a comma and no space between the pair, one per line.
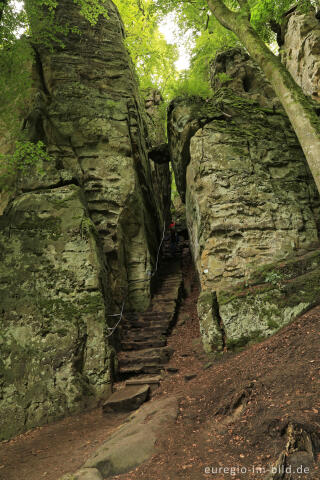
173,238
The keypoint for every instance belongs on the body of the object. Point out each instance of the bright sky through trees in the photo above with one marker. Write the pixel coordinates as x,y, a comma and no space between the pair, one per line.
168,27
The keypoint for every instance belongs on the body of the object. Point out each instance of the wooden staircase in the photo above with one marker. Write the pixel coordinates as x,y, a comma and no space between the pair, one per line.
144,351
144,335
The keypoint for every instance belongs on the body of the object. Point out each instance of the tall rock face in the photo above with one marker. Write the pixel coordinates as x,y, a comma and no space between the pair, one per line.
93,125
300,51
252,213
78,234
55,356
156,142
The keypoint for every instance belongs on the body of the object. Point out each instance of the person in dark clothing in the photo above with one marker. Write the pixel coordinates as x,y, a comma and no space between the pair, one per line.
173,238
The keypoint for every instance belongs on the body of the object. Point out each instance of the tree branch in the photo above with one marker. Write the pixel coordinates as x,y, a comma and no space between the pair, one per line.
140,7
243,3
245,7
207,22
225,16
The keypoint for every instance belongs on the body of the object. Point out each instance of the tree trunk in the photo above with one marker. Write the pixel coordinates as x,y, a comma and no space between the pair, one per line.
298,107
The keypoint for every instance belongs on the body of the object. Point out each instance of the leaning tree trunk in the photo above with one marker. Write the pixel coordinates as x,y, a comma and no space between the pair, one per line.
298,107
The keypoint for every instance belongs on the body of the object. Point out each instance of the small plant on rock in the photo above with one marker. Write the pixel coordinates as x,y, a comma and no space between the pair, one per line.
275,278
26,156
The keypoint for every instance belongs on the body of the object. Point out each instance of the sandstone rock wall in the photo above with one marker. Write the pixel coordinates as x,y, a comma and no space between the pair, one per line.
234,69
251,205
55,357
155,120
301,51
79,231
93,124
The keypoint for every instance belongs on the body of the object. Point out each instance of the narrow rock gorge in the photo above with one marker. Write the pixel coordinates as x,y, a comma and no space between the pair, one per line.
81,234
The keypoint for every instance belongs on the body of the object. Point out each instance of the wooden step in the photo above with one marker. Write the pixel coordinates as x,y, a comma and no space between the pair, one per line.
150,356
135,344
145,380
127,371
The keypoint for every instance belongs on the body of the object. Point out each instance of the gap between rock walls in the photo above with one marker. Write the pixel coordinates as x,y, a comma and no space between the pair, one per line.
137,220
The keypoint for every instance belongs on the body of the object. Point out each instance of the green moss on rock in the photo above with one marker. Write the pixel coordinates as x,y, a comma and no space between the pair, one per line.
55,355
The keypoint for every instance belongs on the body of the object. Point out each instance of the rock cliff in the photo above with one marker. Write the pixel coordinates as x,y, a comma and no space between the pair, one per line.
79,232
95,130
234,69
55,357
300,51
252,212
157,150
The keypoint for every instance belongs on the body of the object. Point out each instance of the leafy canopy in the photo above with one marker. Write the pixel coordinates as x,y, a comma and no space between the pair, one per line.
210,36
152,56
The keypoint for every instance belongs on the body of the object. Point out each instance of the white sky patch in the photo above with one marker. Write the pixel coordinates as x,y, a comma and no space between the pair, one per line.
18,6
168,27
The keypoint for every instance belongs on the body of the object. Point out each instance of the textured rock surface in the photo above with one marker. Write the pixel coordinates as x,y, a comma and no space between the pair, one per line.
301,51
155,120
250,202
299,455
84,474
184,119
234,69
80,231
93,124
250,194
155,112
55,358
274,296
134,442
127,399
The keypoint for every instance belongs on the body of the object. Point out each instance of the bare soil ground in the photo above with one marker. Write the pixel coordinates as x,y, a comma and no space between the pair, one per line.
233,413
51,451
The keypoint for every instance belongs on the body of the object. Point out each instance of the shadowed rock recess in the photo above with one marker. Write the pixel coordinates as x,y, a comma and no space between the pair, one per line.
252,207
75,237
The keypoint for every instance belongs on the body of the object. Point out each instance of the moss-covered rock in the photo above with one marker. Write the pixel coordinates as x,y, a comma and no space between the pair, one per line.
256,310
300,50
251,205
94,125
210,329
55,357
79,232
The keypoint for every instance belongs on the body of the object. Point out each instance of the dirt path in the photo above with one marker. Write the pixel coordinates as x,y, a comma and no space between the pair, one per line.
49,452
233,413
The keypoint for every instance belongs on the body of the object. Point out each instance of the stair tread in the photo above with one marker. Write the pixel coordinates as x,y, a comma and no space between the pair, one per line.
132,369
147,351
145,380
135,345
144,335
150,328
